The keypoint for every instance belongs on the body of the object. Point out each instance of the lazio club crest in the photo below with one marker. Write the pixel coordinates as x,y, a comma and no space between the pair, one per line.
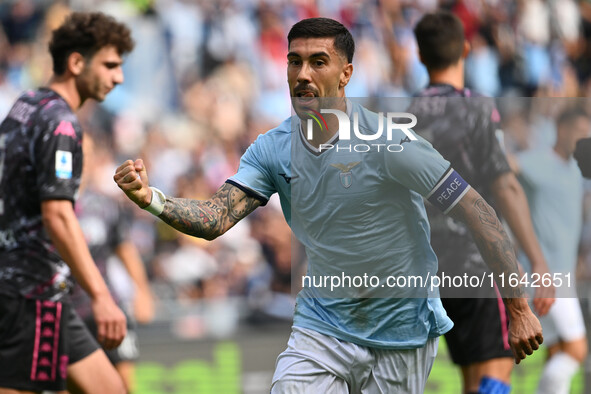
346,175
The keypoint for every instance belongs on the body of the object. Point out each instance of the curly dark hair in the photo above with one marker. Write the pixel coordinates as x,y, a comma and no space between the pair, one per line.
87,33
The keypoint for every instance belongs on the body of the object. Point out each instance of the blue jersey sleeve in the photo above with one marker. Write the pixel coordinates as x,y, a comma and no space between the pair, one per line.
253,176
419,167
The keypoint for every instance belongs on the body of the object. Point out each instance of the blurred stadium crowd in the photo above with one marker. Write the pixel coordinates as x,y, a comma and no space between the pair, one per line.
207,77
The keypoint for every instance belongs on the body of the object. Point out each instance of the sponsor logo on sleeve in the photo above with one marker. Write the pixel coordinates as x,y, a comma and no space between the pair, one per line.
65,128
63,164
284,176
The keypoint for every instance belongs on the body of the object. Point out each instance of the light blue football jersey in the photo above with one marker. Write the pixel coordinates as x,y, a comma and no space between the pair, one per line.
554,189
359,212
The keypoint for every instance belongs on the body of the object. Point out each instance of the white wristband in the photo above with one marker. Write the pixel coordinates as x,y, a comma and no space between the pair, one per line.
158,199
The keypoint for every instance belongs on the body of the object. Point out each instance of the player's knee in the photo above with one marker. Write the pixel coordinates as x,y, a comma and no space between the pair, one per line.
490,386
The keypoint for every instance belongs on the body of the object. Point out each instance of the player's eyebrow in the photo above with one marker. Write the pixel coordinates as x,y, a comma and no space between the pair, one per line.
111,64
316,54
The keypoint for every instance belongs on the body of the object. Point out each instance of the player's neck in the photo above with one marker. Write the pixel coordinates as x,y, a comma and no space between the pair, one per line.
66,87
453,75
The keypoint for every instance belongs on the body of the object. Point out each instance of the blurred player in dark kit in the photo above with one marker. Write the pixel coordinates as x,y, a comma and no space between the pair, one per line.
43,343
465,128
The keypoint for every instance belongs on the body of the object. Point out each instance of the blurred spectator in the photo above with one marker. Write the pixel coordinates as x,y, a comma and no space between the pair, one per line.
105,226
553,185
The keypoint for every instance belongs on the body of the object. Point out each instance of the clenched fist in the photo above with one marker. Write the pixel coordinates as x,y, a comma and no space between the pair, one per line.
132,178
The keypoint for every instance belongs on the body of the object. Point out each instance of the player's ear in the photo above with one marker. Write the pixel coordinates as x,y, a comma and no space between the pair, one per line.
346,75
76,63
466,50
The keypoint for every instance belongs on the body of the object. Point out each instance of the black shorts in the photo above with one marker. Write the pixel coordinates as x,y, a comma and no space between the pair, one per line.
129,348
480,332
38,340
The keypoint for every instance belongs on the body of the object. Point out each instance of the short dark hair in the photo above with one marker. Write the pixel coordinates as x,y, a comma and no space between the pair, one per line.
325,27
440,38
87,33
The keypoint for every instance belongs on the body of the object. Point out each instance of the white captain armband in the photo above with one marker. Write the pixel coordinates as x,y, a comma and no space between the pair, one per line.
158,199
448,191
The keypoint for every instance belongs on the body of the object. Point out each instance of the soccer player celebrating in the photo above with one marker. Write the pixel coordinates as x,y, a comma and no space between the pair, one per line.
43,343
464,128
353,212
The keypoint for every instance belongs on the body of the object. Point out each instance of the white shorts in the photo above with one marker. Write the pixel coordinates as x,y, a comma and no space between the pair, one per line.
316,363
564,322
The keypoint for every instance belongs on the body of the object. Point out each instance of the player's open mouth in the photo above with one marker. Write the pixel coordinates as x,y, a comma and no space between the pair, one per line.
305,93
305,97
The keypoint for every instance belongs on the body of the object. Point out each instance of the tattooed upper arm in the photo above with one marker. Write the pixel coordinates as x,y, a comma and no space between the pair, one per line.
209,218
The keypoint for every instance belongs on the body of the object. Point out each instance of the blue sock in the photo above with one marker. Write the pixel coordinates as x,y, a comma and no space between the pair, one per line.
493,386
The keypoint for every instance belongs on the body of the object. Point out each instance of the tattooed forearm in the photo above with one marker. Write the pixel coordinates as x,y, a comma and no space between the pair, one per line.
209,218
493,242
487,216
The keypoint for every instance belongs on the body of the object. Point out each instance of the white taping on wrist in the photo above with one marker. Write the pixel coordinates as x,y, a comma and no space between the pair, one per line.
158,199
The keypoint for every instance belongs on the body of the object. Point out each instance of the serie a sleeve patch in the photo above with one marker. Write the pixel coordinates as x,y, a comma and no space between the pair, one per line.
63,164
448,191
